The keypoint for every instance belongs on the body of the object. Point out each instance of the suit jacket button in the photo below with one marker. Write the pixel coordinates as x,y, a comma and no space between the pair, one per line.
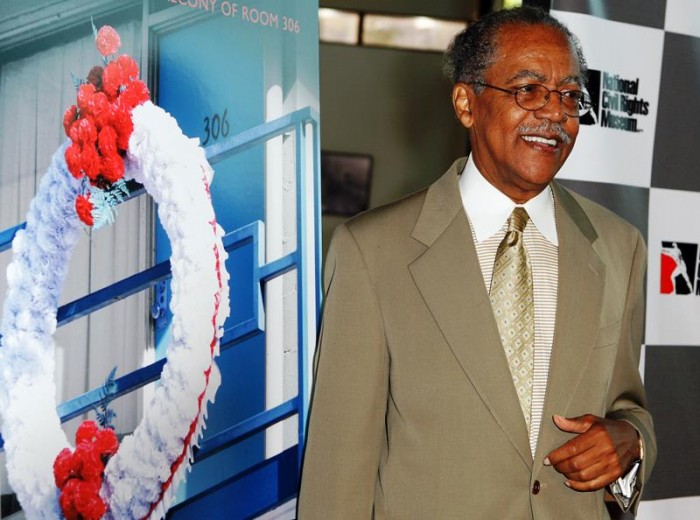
536,487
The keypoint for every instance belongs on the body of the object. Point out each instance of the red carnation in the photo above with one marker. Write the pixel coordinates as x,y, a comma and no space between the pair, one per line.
129,67
69,118
73,132
86,130
118,73
85,93
107,141
110,111
98,108
112,79
90,161
83,207
86,432
63,467
73,160
106,442
134,94
112,167
87,461
88,502
108,41
67,499
123,125
95,76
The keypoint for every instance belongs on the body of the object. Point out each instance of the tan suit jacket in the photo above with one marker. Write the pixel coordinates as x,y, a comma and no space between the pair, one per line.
414,414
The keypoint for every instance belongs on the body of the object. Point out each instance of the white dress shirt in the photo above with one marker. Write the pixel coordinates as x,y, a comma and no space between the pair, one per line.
488,210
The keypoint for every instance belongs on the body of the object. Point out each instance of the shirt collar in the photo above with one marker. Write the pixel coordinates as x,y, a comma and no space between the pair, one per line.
488,209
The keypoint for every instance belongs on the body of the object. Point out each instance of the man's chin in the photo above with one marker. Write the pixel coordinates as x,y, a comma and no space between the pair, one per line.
537,178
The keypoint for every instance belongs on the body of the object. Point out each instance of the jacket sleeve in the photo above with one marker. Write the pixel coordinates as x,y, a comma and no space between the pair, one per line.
626,396
346,431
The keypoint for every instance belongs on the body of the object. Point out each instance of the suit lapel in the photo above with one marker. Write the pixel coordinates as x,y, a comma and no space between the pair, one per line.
449,279
581,275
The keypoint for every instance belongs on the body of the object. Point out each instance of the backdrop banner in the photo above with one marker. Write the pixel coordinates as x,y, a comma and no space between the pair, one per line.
635,155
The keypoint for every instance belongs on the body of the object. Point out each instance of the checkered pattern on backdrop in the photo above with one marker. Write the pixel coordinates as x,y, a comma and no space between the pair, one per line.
639,155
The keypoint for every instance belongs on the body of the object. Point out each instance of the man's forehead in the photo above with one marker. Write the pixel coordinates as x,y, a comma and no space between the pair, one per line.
526,52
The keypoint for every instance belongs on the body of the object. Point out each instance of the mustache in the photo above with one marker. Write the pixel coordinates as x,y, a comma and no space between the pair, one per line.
546,128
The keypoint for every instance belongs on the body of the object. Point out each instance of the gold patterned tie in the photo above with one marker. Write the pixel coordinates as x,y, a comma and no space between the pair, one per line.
514,308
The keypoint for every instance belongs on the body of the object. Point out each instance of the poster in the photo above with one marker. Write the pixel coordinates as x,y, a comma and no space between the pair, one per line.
242,78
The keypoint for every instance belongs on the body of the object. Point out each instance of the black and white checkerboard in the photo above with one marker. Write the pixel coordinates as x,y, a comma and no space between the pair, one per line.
640,156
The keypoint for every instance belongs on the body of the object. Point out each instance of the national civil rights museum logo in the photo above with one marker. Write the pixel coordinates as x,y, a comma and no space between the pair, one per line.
616,101
680,268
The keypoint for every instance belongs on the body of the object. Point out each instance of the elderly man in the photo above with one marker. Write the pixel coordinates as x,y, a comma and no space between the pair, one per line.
481,338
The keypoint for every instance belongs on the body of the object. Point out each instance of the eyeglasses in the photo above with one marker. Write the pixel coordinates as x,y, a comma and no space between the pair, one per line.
534,96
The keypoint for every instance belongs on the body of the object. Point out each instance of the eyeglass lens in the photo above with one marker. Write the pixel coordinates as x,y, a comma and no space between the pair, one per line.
534,97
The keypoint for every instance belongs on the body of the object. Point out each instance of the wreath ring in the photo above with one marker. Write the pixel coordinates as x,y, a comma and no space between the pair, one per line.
139,481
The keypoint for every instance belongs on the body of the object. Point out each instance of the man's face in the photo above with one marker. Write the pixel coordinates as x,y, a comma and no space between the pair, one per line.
507,140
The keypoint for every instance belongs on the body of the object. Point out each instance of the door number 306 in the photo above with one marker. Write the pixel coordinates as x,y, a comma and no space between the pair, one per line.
215,126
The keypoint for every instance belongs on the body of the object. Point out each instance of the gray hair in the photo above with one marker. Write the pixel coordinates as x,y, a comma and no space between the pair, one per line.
474,49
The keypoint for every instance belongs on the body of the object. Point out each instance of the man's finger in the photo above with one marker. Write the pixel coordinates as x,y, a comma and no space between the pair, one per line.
574,448
591,485
574,424
584,472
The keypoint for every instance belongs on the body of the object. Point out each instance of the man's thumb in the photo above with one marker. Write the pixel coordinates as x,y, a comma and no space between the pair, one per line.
573,424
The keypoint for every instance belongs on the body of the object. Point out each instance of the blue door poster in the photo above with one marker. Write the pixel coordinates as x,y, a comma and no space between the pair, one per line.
241,80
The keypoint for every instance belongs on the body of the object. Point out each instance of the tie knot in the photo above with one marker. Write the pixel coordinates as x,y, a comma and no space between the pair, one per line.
518,219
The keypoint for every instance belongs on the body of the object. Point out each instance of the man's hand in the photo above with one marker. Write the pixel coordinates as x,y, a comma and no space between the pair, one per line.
602,451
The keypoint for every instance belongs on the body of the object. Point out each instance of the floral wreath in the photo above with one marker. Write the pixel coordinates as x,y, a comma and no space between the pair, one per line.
115,134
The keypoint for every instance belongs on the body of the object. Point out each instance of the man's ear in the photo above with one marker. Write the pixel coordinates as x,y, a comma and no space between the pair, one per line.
462,99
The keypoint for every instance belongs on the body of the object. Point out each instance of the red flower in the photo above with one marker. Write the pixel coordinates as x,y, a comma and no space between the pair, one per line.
107,141
129,67
123,125
118,73
73,160
73,132
86,130
98,107
90,161
69,118
95,76
88,462
106,442
63,468
67,499
112,167
88,502
134,94
87,432
85,93
112,79
108,41
83,207
80,500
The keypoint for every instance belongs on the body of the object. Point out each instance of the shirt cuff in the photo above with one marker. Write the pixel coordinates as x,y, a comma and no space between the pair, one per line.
624,488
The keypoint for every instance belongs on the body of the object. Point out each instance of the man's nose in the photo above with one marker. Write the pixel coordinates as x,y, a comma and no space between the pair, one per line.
553,110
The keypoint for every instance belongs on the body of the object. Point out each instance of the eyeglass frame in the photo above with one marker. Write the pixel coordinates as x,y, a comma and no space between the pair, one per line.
585,104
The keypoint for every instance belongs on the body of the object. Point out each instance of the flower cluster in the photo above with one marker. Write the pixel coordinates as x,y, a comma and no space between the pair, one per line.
100,124
79,474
